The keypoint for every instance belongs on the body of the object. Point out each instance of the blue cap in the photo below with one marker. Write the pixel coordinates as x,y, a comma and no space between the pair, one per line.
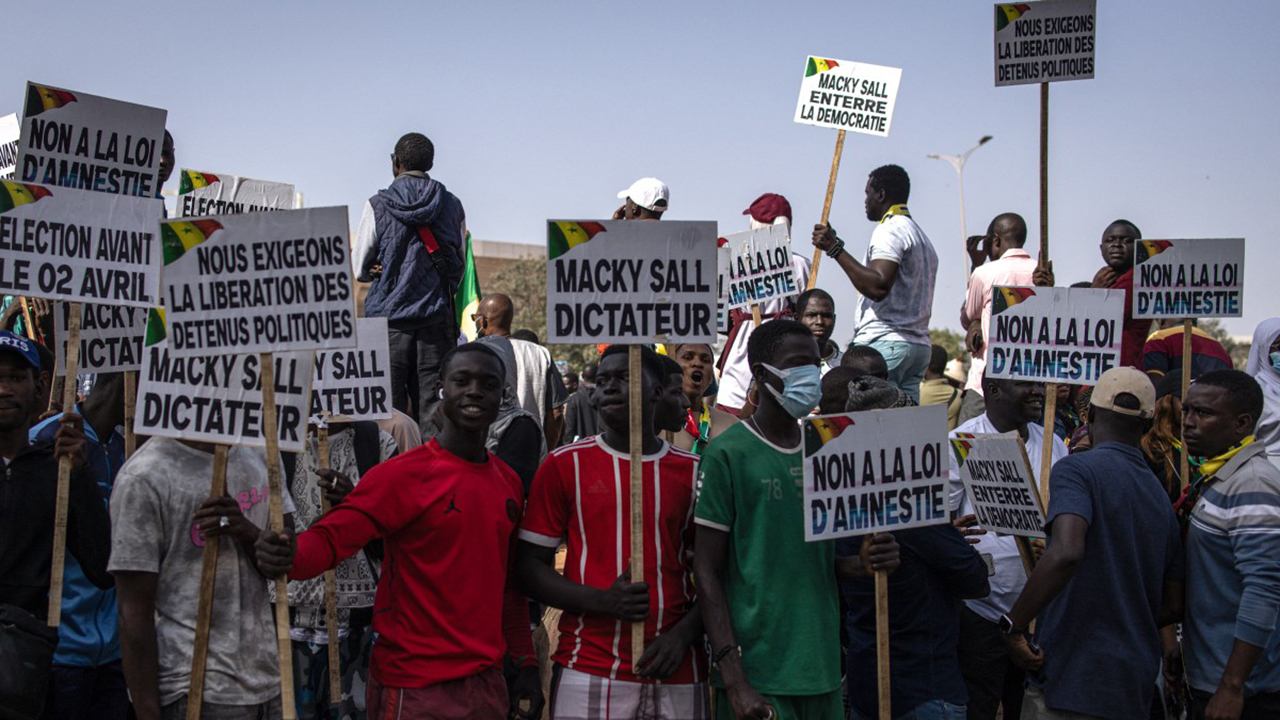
20,346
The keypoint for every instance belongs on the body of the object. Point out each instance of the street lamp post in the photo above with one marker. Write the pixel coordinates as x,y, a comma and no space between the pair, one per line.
957,162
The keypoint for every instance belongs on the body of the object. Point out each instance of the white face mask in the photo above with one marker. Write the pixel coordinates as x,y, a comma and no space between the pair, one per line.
801,389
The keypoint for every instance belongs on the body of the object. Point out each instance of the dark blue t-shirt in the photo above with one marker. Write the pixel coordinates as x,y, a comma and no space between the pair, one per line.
1099,635
938,568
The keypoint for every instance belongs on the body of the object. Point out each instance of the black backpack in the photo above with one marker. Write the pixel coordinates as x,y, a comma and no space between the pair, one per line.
26,663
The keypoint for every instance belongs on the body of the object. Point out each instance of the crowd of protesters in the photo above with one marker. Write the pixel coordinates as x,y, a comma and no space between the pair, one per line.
496,498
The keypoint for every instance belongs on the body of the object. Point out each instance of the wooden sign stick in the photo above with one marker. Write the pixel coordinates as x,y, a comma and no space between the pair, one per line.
883,697
130,410
330,580
1044,174
1024,543
826,207
1046,448
26,315
208,580
637,490
1184,471
58,564
756,319
275,488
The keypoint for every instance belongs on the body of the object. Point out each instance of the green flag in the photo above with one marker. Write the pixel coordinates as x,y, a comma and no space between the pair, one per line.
468,297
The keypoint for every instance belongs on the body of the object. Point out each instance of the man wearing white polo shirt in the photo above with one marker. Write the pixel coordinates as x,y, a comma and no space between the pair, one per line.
895,279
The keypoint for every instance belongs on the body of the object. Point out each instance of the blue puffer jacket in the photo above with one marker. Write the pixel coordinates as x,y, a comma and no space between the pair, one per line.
410,288
89,635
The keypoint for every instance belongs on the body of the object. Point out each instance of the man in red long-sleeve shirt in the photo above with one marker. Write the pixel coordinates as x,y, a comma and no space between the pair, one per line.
446,609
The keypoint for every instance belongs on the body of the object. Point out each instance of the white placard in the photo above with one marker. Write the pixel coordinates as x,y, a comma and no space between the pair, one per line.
1061,335
218,398
73,139
1044,41
110,337
1000,485
846,95
355,384
207,193
631,281
758,268
258,282
8,146
1188,278
79,245
875,471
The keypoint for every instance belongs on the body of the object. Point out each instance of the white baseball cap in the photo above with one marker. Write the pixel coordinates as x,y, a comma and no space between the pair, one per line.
649,193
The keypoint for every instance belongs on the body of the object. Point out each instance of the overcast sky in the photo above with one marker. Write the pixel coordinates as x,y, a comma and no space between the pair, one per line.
548,109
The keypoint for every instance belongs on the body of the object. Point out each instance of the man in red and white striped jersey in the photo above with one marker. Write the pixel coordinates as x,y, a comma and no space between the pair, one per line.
582,494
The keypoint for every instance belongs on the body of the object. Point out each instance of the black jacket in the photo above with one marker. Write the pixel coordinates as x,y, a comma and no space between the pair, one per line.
28,494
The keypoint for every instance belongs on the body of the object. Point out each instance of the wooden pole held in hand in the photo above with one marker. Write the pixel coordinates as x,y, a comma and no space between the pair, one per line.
330,579
883,696
275,504
756,319
826,207
208,581
58,565
1184,470
634,401
1046,448
130,410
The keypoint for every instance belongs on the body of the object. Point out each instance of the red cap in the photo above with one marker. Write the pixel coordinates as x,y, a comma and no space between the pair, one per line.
769,207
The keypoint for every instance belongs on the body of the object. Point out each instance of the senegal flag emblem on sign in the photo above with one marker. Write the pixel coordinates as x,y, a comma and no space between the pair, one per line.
13,194
192,180
179,236
156,331
822,430
1003,298
564,236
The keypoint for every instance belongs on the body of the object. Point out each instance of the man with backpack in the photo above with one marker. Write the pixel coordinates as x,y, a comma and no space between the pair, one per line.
409,246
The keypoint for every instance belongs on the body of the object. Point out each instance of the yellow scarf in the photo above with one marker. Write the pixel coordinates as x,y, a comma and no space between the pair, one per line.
895,210
1210,466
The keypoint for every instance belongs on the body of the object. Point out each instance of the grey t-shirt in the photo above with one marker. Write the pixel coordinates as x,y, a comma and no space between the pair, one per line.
155,494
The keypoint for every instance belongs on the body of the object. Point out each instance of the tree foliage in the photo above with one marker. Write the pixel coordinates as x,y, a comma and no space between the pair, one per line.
950,340
1237,351
525,281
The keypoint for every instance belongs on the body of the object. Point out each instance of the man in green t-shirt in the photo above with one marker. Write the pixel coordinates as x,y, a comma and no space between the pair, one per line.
769,599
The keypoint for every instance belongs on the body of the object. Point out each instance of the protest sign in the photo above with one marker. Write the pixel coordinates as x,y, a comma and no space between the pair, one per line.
846,95
69,244
77,140
1188,278
8,146
1000,484
631,282
1042,42
258,282
219,398
355,384
875,471
757,267
205,193
110,337
1056,335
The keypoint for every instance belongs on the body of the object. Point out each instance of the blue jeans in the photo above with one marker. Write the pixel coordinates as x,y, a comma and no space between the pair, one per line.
928,710
907,363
